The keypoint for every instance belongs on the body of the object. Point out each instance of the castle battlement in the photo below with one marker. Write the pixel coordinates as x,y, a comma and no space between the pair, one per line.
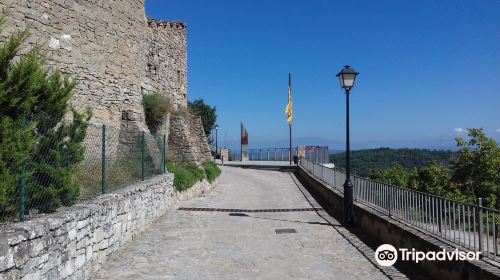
155,23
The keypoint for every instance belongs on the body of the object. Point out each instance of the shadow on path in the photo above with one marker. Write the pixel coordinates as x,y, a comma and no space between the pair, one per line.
361,241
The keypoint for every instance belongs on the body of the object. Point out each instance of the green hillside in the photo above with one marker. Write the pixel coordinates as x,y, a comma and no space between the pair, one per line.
364,161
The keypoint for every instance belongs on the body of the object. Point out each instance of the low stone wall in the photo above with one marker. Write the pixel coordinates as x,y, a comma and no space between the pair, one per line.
73,242
383,229
198,189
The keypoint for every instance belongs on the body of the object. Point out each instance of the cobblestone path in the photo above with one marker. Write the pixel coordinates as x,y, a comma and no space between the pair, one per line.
216,237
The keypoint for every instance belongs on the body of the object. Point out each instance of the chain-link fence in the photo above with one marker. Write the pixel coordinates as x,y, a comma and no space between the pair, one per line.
57,164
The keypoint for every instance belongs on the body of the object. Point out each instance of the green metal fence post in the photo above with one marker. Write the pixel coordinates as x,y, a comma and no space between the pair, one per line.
164,153
22,185
103,160
142,156
22,194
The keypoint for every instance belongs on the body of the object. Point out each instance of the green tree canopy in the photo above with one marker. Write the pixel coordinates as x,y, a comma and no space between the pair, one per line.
207,113
397,175
476,170
364,161
473,173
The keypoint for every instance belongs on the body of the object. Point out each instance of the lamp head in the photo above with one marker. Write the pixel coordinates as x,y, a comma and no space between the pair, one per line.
347,77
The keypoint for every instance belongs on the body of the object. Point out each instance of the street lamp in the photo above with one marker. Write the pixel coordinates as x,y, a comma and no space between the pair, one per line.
216,147
347,77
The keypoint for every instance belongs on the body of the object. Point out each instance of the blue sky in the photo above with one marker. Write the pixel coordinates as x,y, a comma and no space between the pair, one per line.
428,68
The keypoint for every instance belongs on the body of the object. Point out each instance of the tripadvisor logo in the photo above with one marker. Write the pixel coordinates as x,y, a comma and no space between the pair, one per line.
387,255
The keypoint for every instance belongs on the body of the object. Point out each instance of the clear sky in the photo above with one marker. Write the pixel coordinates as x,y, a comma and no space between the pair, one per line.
428,68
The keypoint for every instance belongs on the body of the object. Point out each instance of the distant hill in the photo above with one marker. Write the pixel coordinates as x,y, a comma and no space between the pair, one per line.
364,161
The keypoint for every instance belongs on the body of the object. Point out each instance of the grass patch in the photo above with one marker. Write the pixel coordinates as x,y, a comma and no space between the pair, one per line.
156,107
186,175
212,171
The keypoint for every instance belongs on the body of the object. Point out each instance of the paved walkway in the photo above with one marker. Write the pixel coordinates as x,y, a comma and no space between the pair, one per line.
257,163
224,242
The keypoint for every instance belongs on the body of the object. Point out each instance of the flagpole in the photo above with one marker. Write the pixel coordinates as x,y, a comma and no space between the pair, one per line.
290,144
290,124
241,142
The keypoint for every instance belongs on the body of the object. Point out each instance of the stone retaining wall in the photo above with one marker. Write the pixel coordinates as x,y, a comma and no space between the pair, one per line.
187,142
73,242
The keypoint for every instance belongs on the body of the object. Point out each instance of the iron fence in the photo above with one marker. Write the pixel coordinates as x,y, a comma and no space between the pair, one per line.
318,154
271,154
473,227
67,162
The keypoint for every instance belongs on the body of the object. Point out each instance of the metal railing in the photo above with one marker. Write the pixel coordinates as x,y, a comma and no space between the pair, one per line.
318,154
473,227
271,154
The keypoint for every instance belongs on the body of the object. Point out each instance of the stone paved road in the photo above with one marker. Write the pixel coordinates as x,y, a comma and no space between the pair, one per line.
219,245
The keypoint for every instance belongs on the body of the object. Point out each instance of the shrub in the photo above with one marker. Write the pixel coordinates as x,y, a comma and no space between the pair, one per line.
35,138
212,171
51,173
185,176
156,107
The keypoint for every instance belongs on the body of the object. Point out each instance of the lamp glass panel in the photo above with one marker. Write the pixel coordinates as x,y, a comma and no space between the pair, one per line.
348,80
341,79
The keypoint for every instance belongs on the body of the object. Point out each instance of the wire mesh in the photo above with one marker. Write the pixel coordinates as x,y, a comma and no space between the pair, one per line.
59,163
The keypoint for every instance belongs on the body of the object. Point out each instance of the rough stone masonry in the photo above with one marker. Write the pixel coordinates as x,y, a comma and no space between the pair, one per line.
75,241
112,49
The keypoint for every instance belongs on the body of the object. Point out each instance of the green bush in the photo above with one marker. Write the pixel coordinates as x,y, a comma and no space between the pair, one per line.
156,107
185,176
212,171
35,138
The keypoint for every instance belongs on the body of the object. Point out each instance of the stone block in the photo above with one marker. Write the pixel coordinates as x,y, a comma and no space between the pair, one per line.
32,276
6,257
21,253
80,261
67,269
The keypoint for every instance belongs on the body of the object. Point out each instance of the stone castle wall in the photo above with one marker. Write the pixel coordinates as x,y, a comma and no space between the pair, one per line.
111,48
117,55
167,60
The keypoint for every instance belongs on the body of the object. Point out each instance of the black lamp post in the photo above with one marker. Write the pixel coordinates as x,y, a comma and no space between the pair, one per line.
216,134
347,77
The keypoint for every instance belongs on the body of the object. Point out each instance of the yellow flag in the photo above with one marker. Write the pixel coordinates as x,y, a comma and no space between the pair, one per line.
288,109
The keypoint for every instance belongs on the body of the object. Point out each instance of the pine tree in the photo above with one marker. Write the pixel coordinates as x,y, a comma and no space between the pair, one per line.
35,136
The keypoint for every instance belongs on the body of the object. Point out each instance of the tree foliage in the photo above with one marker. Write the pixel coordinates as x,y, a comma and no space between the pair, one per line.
476,170
396,175
364,161
207,113
34,138
473,173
